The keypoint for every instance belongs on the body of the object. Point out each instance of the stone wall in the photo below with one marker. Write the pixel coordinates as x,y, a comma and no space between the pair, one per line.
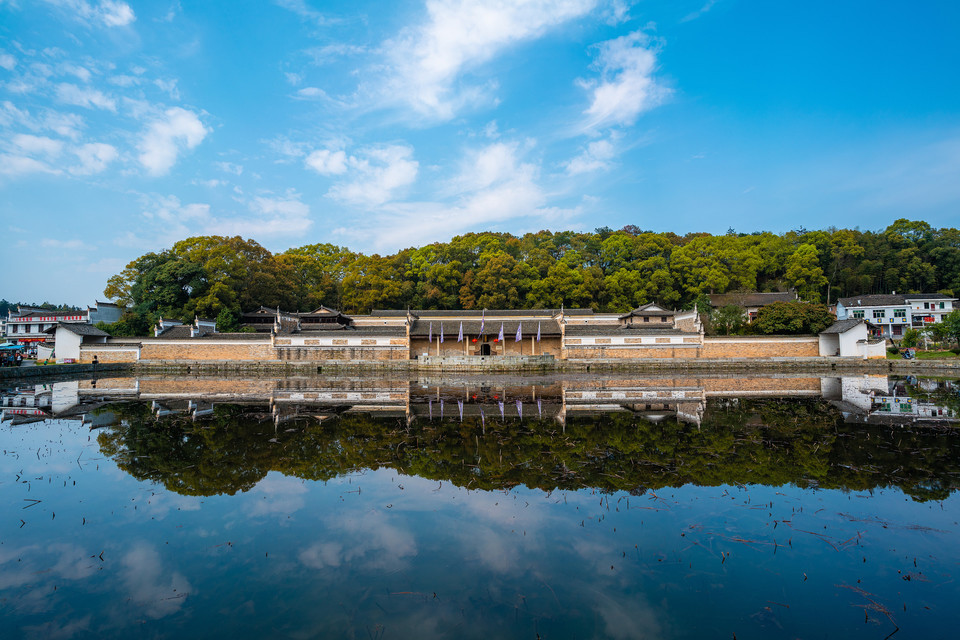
761,347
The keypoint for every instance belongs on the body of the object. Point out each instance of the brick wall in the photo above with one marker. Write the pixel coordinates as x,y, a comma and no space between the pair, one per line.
644,351
105,355
197,350
767,347
369,353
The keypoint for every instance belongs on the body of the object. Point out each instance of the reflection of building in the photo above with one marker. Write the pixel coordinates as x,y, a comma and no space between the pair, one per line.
434,398
22,405
878,399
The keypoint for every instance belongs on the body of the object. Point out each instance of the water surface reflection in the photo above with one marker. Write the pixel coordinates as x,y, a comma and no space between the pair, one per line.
564,507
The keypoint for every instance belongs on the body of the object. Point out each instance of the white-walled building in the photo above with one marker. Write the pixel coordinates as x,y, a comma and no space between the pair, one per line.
29,324
850,338
895,313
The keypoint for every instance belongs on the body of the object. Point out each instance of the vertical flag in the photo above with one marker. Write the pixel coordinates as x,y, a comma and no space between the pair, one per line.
519,332
430,337
441,333
431,408
501,410
460,335
441,408
483,317
520,408
500,337
460,406
538,331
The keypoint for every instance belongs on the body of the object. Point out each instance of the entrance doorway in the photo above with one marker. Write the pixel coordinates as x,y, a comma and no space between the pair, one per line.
485,349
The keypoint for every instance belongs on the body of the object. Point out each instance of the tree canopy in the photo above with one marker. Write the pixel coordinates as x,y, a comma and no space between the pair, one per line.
605,270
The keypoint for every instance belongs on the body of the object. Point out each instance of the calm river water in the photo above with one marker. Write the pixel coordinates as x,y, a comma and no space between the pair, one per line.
550,507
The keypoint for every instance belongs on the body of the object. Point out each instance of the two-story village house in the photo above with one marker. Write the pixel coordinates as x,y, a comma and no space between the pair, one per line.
895,313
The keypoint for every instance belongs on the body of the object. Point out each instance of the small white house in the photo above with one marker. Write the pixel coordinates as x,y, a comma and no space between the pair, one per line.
850,338
70,335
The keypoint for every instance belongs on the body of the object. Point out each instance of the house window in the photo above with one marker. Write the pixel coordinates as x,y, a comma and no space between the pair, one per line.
646,319
879,313
663,319
858,313
926,305
941,305
899,313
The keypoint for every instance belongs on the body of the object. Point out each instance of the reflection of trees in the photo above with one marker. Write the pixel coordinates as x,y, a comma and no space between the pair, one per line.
771,442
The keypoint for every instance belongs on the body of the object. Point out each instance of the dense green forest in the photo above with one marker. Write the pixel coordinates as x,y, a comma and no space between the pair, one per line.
607,270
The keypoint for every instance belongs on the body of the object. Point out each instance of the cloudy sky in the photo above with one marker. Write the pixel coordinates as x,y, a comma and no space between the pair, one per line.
126,126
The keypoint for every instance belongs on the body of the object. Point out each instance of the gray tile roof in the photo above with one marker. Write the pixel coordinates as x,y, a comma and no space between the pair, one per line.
642,329
841,326
926,296
548,326
873,300
477,313
650,309
80,329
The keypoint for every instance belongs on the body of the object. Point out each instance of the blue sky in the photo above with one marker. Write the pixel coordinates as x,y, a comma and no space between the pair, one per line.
126,126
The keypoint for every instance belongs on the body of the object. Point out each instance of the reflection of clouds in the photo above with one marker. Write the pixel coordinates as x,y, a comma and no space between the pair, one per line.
631,618
369,539
55,631
63,561
280,495
159,505
144,578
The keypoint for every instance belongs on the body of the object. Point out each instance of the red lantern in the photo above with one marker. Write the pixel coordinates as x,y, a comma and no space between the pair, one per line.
474,340
496,339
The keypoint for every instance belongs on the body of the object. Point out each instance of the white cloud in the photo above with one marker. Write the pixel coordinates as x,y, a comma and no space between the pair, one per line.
116,14
229,167
328,163
89,98
73,245
494,186
37,145
169,87
79,72
312,93
162,142
377,173
458,36
595,157
165,220
124,80
699,12
94,158
67,125
7,61
301,8
16,165
627,87
111,13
